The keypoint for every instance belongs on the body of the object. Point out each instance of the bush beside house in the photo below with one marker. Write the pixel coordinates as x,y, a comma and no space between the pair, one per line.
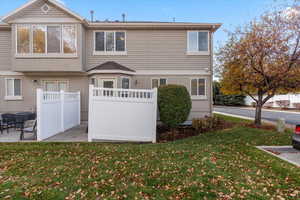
174,103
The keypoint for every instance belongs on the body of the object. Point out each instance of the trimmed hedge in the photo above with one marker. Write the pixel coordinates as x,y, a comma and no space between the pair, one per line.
174,103
226,100
229,100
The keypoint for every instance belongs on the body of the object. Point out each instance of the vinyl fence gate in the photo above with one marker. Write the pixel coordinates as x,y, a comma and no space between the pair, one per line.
56,112
122,114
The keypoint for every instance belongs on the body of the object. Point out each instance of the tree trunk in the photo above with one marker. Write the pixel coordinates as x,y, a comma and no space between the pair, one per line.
258,109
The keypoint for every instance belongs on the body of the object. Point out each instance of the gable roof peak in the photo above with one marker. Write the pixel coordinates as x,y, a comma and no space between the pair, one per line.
54,2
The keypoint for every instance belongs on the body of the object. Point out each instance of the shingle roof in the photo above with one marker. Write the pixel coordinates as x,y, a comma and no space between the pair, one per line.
111,65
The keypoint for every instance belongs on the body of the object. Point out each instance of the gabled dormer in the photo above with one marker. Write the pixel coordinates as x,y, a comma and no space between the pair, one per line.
46,36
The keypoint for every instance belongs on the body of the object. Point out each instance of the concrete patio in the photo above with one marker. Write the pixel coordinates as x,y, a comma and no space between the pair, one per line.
76,134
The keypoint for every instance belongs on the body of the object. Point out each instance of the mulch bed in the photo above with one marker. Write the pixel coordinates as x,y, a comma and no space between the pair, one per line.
268,127
166,135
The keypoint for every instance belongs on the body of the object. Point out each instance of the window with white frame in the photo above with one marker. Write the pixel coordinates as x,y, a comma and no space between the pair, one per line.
157,82
55,86
198,42
94,82
125,83
111,42
13,87
41,39
198,87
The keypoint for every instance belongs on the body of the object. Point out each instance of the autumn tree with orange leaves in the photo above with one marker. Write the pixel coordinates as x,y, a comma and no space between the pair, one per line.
262,58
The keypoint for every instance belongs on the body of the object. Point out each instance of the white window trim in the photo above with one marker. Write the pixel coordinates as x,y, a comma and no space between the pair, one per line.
199,97
56,82
13,98
129,78
110,53
115,80
46,35
188,52
158,78
46,54
100,80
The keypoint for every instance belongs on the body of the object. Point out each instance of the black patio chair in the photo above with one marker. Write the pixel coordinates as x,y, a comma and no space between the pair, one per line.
32,116
29,129
19,121
8,121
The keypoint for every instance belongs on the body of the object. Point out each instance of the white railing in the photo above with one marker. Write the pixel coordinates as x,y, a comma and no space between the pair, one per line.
56,96
123,93
122,114
56,112
51,96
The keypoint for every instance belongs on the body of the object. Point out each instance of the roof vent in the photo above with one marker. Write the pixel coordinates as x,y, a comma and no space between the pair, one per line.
92,15
45,8
124,17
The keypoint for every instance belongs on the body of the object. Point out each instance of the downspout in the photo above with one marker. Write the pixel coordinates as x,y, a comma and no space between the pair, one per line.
212,71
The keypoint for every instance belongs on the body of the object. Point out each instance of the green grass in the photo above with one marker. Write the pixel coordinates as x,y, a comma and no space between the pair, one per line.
234,119
216,165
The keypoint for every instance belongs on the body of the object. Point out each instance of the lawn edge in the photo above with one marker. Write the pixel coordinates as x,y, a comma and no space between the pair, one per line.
277,156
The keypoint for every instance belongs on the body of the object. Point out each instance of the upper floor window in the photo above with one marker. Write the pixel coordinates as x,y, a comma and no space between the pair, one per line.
109,42
46,40
198,42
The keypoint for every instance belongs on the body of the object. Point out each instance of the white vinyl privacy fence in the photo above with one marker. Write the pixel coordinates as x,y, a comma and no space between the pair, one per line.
292,99
122,114
56,112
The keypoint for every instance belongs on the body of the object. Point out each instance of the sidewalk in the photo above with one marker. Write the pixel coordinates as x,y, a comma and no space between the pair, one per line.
264,109
291,126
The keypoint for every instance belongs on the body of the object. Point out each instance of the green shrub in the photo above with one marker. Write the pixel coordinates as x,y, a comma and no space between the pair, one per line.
208,124
174,103
229,100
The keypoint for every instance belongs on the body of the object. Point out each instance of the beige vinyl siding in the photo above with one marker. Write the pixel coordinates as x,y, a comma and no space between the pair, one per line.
5,49
48,64
151,50
76,83
200,107
34,11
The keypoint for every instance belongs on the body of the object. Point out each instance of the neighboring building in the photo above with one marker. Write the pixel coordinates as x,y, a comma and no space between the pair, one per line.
284,101
45,45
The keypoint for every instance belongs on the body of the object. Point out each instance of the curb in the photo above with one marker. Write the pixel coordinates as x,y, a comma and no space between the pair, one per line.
270,110
277,156
250,118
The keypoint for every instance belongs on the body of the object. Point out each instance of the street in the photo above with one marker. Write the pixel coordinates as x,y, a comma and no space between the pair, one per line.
290,118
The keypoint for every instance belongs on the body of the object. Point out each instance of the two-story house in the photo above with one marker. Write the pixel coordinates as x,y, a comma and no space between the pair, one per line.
45,45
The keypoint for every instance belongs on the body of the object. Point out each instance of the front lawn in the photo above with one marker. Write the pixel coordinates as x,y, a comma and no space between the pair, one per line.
217,165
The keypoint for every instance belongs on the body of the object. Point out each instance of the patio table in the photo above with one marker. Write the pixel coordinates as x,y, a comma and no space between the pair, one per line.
27,115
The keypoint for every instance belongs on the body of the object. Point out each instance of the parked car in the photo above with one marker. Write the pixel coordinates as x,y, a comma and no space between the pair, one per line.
296,137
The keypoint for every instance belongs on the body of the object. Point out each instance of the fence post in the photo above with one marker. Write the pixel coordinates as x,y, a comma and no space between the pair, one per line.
154,97
79,107
90,118
62,102
39,99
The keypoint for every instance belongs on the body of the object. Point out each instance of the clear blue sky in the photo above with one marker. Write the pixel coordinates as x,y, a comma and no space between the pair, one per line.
231,13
